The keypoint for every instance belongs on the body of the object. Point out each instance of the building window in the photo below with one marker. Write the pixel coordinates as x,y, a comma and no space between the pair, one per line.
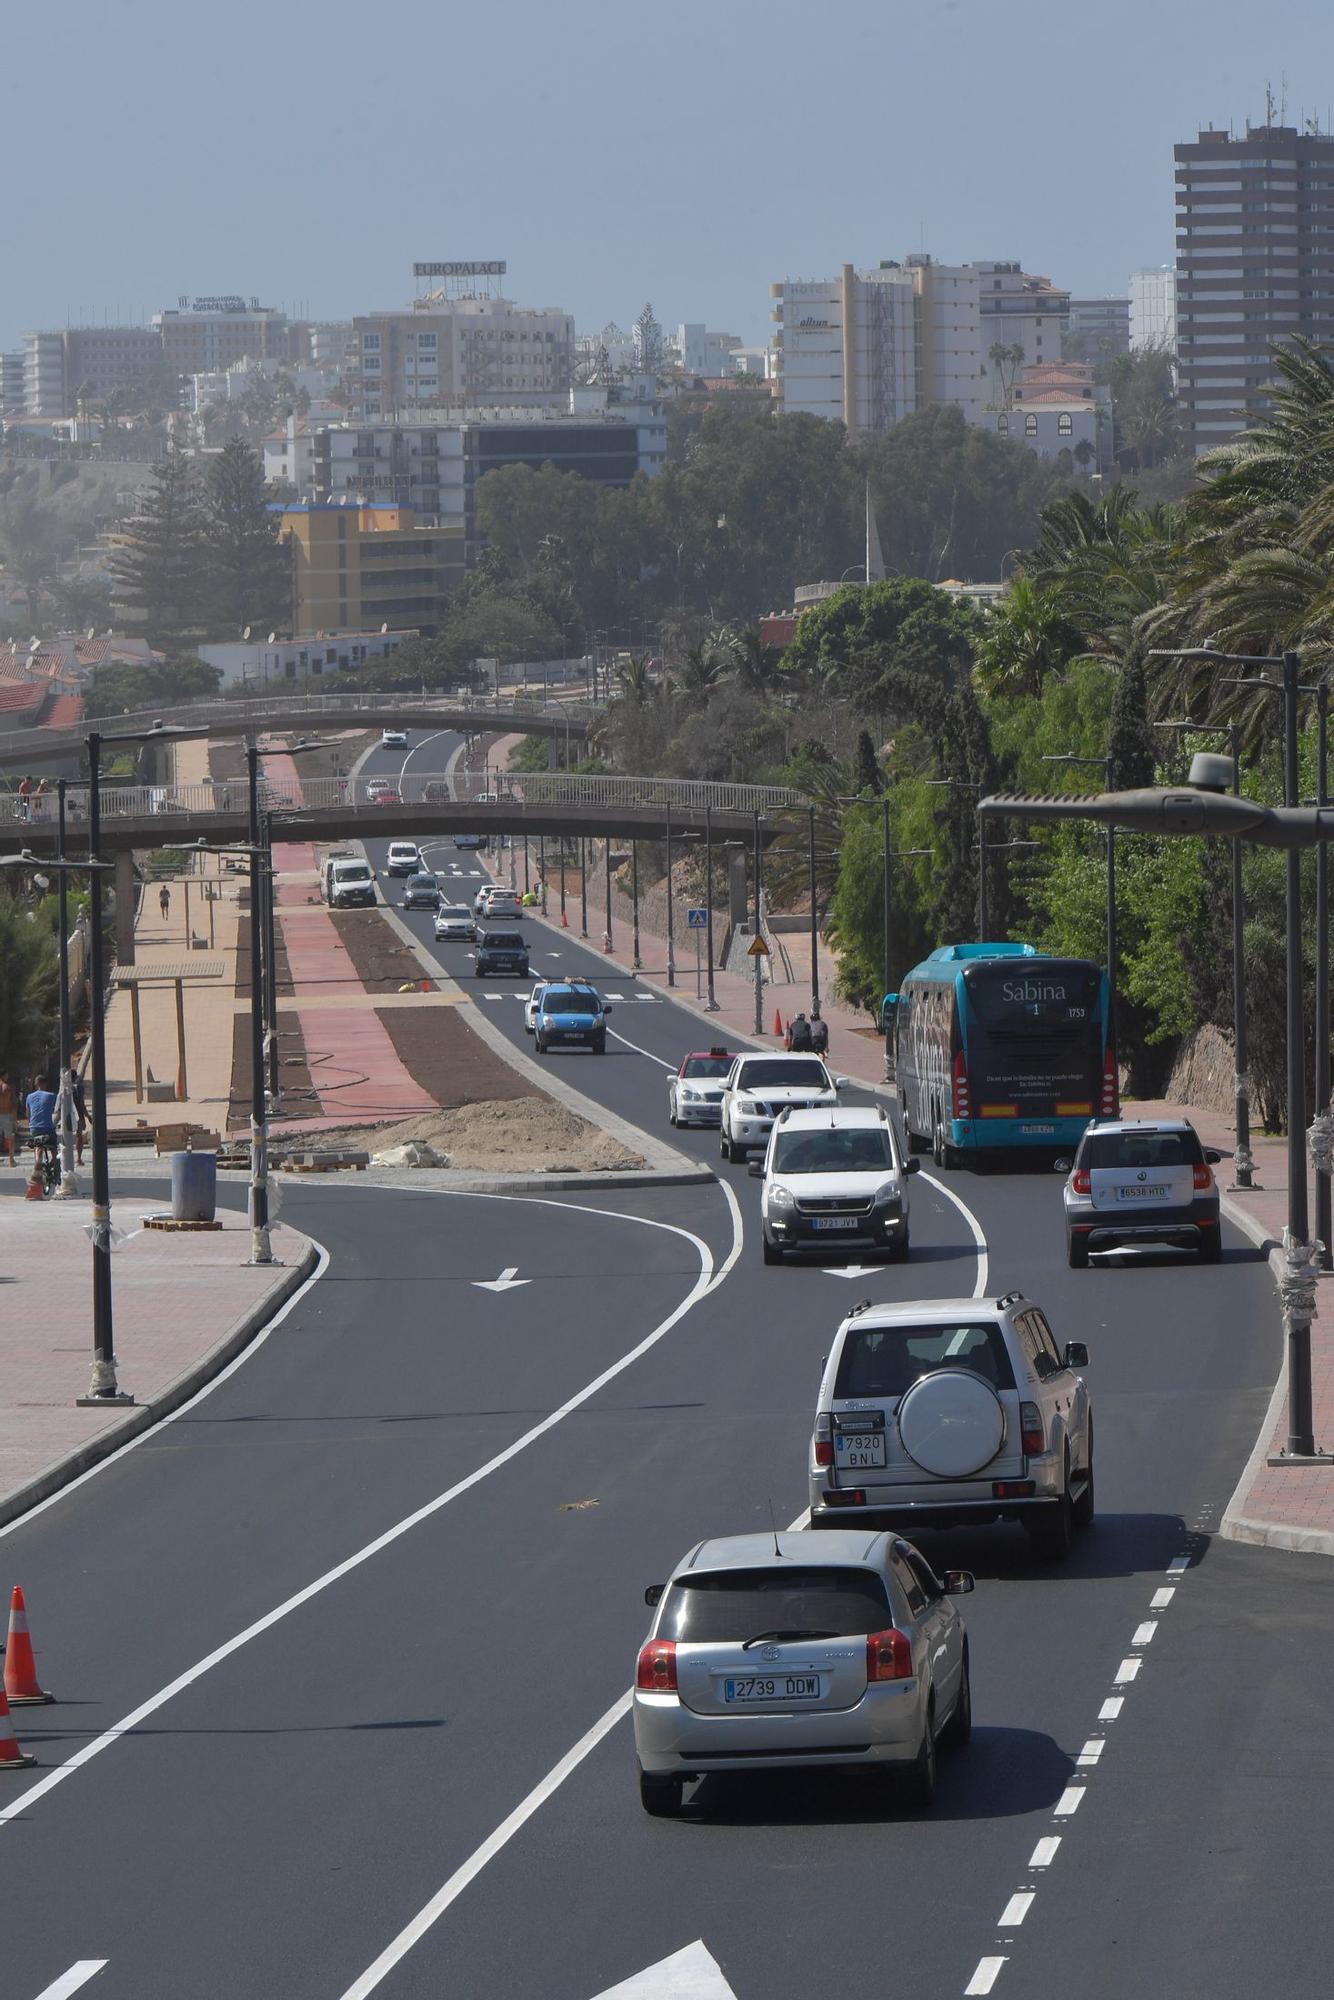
370,340
1065,425
1030,425
1003,427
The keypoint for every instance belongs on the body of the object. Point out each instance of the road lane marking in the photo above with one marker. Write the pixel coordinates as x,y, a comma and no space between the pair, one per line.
982,1981
1162,1598
1144,1633
979,1289
1091,1751
1111,1708
1016,1910
1127,1671
626,1043
1045,1852
1178,1565
129,1723
691,1974
54,1499
69,1982
1069,1801
449,1892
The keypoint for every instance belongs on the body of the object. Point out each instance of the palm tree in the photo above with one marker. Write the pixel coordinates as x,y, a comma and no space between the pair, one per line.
757,664
634,679
701,672
1027,638
1007,359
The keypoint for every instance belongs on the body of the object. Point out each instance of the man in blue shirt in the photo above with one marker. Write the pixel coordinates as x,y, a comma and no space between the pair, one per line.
41,1108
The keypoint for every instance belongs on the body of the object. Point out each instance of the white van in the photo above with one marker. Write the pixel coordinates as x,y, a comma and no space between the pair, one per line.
348,882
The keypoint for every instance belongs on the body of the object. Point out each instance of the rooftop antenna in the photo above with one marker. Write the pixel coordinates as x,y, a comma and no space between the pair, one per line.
774,1525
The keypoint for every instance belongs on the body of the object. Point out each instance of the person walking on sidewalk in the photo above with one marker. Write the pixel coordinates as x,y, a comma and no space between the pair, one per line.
819,1033
9,1112
164,901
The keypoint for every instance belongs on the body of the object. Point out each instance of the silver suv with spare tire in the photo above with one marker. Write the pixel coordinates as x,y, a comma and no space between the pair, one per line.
945,1411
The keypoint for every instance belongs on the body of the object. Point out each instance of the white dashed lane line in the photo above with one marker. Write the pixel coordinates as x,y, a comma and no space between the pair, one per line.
1087,1762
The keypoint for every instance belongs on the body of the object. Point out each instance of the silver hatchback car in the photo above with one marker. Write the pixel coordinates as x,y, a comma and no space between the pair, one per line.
1140,1180
783,1650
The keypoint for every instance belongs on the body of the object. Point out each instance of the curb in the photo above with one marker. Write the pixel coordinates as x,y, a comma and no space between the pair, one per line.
1236,1525
43,1484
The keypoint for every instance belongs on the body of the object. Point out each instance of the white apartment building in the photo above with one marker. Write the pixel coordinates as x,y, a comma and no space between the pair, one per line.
1153,308
1018,311
261,663
231,385
949,334
701,351
11,381
457,351
845,348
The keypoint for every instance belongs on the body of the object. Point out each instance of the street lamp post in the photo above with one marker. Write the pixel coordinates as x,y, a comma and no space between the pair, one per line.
607,942
815,920
102,1387
1208,809
963,785
1243,1160
635,960
1103,764
68,1186
1324,1220
542,868
711,1004
759,956
671,924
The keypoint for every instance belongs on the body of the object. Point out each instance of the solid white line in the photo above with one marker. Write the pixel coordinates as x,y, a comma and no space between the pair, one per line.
1069,1801
1144,1633
1016,1910
738,1236
130,1722
1091,1751
216,1381
979,1289
1162,1598
1127,1672
1045,1852
69,1982
982,1981
413,1932
1111,1708
434,737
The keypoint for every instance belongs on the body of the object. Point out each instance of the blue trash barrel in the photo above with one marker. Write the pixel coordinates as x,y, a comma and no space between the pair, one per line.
194,1187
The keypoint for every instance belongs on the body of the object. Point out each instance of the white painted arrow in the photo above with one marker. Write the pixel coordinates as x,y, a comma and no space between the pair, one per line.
508,1280
849,1270
692,1974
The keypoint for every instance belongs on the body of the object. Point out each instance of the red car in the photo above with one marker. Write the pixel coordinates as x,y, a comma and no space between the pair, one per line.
695,1093
386,796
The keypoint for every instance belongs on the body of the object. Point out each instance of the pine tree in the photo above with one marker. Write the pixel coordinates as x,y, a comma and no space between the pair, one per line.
1130,745
248,570
158,576
869,779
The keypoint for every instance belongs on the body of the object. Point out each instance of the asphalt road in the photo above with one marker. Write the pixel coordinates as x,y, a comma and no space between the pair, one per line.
440,1503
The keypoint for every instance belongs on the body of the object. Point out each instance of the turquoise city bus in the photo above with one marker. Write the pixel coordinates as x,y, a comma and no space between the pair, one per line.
1000,1047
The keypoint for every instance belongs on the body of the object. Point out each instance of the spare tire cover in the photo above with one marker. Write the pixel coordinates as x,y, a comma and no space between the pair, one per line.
951,1423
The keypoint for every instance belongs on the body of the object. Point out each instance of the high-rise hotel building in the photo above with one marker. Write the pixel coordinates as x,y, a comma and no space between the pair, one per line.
1255,264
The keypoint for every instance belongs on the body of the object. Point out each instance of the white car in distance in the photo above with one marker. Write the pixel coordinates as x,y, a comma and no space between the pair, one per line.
834,1180
404,858
455,921
530,1007
758,1087
394,739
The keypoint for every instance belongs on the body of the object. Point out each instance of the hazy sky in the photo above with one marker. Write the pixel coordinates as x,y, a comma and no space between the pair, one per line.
612,154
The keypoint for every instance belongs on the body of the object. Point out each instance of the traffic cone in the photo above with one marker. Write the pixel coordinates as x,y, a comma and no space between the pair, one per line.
11,1757
564,921
21,1684
34,1190
778,1024
606,940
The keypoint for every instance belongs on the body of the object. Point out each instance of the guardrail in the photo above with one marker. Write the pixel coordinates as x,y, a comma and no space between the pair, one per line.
225,796
236,716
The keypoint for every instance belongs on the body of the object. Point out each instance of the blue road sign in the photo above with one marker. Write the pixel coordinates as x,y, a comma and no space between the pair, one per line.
697,920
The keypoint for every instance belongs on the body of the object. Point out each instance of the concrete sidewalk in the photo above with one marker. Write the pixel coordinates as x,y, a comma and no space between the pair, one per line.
183,1304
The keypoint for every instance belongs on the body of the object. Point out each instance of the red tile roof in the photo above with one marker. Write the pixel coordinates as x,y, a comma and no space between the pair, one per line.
16,699
64,712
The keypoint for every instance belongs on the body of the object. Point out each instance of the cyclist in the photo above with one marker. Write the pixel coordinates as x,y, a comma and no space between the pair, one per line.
41,1109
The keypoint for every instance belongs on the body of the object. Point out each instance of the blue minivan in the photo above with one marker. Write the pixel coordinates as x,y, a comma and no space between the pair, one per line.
571,1015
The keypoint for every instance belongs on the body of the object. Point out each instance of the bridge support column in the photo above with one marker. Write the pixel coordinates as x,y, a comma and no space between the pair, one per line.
124,892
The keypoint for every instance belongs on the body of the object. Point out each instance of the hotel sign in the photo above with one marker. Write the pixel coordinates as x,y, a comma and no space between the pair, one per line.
491,270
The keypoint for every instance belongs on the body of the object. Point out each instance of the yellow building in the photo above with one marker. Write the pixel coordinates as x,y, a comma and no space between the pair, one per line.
357,568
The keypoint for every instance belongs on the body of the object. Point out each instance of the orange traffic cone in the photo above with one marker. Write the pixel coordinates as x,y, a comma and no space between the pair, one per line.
778,1024
11,1757
21,1683
34,1190
564,921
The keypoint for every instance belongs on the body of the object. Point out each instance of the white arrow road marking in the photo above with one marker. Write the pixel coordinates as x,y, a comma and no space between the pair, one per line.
508,1280
78,1975
692,1974
849,1270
